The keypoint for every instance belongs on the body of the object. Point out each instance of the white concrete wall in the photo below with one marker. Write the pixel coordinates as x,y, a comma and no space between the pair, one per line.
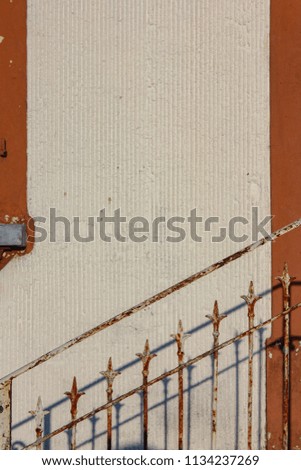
155,107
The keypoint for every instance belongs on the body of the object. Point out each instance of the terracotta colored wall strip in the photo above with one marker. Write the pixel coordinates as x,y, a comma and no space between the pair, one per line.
13,90
285,83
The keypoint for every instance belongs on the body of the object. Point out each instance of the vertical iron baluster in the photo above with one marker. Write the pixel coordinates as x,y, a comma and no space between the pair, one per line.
216,319
110,375
251,300
5,415
74,395
39,414
145,357
285,280
180,337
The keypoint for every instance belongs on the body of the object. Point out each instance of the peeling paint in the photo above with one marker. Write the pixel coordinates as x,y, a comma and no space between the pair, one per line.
1,39
110,374
13,219
159,296
161,61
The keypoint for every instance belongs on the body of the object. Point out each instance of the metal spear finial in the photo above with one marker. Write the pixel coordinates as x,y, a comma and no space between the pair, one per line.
285,279
146,356
39,413
251,298
74,395
216,318
110,374
180,336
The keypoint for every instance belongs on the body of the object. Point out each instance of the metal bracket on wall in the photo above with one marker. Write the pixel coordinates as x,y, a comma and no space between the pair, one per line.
12,237
3,151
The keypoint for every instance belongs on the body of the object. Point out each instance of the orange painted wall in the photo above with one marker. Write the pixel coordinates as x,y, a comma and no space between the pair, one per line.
285,83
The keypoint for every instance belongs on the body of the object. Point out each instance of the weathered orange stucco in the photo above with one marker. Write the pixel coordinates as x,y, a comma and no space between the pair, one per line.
13,90
285,81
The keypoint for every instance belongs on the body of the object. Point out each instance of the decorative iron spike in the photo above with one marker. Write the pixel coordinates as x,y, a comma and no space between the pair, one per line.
180,336
74,395
110,374
146,356
285,279
251,298
216,318
39,414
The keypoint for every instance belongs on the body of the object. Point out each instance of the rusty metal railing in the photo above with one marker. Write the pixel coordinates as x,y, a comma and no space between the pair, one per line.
145,357
151,300
250,300
216,318
285,280
180,368
6,382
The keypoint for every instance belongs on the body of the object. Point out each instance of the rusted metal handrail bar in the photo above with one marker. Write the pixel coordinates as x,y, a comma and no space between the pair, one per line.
162,377
151,300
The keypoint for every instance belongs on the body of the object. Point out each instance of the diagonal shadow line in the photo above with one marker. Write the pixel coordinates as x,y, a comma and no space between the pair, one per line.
136,361
170,398
173,397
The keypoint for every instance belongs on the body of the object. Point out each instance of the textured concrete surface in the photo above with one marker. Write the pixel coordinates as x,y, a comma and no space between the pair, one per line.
155,108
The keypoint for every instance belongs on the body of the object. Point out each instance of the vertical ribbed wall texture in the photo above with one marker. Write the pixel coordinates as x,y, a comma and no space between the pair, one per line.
155,107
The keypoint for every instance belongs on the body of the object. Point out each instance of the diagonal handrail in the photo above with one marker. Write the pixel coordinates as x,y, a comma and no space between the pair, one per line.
161,377
151,300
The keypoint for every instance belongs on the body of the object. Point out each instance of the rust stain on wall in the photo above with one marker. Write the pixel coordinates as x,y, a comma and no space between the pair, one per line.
285,50
13,133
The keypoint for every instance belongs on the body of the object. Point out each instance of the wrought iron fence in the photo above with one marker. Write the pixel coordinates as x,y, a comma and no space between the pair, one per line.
146,357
